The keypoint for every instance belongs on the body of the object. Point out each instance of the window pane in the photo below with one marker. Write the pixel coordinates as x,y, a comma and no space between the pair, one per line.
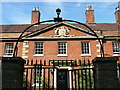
116,47
85,47
62,48
38,48
8,48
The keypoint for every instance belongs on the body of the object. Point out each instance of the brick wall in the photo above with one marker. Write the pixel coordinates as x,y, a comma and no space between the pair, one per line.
108,49
73,50
2,48
26,48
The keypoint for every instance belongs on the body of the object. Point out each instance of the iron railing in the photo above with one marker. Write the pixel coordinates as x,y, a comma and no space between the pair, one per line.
58,74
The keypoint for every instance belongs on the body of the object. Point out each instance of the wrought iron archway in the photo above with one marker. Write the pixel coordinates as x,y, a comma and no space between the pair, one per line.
58,19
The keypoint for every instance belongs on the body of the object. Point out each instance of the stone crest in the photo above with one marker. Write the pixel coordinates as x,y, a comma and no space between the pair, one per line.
62,31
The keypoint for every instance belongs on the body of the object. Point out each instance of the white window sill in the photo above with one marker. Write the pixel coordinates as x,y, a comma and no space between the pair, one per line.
62,55
38,55
116,54
8,56
86,55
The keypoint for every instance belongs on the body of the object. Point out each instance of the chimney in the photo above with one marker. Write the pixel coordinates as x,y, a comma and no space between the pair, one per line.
89,14
117,14
35,16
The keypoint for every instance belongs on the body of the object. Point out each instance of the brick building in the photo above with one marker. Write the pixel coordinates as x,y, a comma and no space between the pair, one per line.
62,40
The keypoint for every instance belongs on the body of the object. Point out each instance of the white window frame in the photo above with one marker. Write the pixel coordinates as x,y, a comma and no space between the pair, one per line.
8,48
85,54
65,51
116,48
38,48
69,74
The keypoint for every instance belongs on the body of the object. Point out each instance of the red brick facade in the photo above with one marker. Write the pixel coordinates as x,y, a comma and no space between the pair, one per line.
45,33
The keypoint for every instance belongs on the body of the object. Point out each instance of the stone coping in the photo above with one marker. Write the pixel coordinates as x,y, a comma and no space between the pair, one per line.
105,59
12,59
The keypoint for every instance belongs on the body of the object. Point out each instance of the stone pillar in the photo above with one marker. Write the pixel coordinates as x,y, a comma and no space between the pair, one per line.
106,73
12,73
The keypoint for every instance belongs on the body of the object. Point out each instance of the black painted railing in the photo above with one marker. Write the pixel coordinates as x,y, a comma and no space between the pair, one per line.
60,74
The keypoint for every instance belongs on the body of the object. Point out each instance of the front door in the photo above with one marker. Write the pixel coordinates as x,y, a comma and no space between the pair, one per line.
62,79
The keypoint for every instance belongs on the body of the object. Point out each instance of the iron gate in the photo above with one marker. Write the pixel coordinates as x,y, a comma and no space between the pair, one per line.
58,74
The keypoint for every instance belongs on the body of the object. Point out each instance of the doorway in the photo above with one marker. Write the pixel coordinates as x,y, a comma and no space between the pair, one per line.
62,79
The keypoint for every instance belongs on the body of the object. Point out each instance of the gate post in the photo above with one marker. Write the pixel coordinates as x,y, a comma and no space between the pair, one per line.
12,73
106,73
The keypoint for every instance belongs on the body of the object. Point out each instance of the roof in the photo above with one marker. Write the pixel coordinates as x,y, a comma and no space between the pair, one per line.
81,28
21,27
106,26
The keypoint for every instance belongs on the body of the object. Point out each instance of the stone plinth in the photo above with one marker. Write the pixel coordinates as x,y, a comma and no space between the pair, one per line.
12,73
106,73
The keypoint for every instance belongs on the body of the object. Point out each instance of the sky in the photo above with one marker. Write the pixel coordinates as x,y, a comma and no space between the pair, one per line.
19,12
